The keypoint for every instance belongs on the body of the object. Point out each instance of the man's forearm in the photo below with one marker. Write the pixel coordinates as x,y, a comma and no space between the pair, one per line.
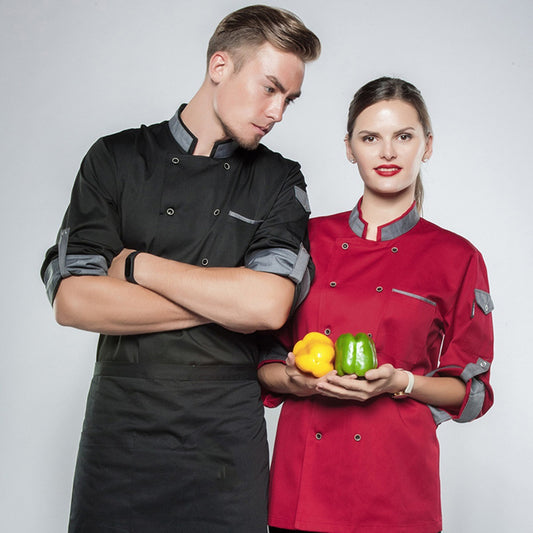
111,306
236,298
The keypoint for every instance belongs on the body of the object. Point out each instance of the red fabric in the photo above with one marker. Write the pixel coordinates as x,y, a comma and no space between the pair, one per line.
342,467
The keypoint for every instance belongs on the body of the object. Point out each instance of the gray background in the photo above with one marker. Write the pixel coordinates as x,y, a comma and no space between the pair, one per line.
72,71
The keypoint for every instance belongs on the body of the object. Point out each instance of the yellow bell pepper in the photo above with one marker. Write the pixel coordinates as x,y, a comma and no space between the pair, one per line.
315,354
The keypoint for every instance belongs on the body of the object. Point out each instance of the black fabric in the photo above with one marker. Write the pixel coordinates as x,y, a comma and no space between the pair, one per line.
158,452
169,455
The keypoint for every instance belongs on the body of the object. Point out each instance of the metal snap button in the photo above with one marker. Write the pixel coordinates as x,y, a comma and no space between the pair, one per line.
318,436
345,246
227,166
216,212
332,283
357,437
327,331
175,160
170,211
379,289
205,261
394,250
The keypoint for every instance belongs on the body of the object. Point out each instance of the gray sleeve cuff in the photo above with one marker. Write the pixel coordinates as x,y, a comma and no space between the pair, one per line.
476,397
72,265
281,261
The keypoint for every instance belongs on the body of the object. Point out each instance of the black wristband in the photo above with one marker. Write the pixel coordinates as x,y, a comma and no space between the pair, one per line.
128,266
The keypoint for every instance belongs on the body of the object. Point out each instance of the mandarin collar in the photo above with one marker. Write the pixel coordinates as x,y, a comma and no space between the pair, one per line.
386,232
187,141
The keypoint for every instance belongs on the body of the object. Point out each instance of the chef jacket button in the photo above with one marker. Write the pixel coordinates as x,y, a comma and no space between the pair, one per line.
216,212
205,261
227,166
332,283
175,160
327,331
357,437
379,289
345,246
170,211
394,250
318,436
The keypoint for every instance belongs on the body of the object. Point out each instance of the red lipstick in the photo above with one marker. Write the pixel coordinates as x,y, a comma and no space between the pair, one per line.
387,170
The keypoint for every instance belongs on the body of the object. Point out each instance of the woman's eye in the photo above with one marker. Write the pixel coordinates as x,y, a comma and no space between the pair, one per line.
269,90
405,136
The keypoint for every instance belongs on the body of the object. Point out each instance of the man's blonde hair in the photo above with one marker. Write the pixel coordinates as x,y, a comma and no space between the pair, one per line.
250,27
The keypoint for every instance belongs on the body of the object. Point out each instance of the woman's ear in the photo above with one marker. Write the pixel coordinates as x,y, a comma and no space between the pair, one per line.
219,66
429,148
349,152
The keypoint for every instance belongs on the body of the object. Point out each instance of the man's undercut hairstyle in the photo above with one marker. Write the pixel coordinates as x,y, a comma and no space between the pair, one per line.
250,27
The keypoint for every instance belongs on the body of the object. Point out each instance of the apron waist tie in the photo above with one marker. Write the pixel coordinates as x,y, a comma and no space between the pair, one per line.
175,371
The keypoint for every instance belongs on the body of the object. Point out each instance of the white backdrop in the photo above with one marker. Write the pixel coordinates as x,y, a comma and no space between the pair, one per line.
72,71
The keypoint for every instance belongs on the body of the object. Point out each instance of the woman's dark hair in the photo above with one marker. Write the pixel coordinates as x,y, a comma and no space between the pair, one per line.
386,88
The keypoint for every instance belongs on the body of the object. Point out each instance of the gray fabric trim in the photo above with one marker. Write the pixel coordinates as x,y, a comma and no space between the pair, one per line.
188,141
302,197
223,149
280,261
62,246
355,222
484,301
302,289
390,231
74,265
439,415
474,369
412,295
300,267
183,137
474,404
243,218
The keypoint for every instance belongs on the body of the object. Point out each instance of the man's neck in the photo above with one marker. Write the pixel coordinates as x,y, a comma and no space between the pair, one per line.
200,119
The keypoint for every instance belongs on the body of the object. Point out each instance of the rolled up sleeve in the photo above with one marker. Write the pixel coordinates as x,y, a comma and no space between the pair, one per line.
467,351
89,237
280,245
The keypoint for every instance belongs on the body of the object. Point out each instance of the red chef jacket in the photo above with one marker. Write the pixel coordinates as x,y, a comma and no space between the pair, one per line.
422,293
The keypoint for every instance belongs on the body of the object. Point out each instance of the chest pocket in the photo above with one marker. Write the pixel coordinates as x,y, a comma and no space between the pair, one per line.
408,328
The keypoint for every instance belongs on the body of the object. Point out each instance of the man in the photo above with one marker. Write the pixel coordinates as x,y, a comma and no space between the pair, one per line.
184,241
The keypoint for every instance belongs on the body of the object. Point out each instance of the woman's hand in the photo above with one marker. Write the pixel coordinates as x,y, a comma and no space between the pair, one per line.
382,380
302,384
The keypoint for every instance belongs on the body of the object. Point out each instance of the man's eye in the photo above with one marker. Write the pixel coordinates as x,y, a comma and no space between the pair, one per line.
269,90
369,139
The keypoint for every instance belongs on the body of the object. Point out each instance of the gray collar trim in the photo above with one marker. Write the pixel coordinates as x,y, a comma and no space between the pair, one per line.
187,141
387,232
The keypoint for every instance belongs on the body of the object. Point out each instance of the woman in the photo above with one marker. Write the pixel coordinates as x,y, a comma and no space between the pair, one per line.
361,455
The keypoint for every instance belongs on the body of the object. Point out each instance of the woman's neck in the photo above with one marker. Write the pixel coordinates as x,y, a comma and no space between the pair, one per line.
379,210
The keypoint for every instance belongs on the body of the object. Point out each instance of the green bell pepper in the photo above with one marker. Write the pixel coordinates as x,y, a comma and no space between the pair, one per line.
355,354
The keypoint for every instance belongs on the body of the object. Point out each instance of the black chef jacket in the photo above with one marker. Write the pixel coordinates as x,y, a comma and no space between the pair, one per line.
174,436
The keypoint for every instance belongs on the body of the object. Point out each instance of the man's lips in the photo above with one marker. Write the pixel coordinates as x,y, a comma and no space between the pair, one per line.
387,170
263,129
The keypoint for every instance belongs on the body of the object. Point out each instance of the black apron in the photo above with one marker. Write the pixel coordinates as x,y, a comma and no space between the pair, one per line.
171,448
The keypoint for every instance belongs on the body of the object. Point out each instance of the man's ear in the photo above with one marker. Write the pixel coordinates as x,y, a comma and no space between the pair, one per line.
219,66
